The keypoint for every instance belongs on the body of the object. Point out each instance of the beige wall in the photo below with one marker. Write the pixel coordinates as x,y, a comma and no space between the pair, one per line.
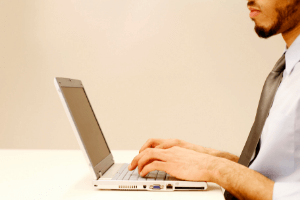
162,68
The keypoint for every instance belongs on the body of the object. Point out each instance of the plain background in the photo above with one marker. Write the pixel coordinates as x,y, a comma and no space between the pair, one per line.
190,69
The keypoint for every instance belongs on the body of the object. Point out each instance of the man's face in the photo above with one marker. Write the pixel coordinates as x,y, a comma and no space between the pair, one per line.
274,16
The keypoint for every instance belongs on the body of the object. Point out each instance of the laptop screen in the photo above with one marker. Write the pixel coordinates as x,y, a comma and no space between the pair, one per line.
86,123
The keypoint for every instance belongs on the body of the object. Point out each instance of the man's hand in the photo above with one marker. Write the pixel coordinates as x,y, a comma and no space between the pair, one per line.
168,143
165,144
185,164
179,162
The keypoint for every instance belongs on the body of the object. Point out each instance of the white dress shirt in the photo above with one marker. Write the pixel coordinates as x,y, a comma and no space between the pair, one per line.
279,155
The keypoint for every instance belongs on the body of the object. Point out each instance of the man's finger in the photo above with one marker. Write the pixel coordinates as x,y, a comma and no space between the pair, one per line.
163,146
151,155
149,144
134,162
155,165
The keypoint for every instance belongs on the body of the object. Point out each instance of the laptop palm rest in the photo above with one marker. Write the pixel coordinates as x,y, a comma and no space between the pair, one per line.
109,174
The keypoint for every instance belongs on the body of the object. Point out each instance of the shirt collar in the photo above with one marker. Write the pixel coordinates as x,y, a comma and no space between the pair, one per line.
292,55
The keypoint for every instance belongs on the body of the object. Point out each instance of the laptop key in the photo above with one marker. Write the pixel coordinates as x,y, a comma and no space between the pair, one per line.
167,176
152,176
161,173
172,178
127,176
136,171
123,174
134,177
160,178
116,176
153,173
151,179
142,178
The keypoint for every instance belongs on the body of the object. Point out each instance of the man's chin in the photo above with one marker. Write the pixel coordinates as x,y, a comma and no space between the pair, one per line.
265,33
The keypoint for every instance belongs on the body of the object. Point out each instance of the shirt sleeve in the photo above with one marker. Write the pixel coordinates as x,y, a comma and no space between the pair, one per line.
286,190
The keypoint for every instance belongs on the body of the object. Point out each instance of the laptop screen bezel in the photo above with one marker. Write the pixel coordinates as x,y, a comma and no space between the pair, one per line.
101,167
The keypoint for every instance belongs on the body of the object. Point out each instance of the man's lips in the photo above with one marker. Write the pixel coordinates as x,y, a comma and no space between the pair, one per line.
253,12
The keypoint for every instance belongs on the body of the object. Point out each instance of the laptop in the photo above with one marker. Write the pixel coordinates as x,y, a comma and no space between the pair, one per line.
106,173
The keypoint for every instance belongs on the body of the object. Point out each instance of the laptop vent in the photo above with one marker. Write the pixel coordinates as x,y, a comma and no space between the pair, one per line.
128,187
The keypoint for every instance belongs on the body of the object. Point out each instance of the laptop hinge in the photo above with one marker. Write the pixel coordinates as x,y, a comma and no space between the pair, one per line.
100,174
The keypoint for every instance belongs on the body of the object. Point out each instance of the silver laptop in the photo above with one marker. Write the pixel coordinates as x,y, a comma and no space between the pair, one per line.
108,174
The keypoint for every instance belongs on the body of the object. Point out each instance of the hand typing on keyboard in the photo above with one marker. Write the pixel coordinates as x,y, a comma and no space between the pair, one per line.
168,143
124,174
179,162
194,163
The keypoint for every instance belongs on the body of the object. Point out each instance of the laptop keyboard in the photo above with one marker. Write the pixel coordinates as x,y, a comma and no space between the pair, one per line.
125,174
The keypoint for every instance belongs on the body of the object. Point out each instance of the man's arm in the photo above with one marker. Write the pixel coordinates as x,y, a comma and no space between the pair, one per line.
242,182
190,165
220,154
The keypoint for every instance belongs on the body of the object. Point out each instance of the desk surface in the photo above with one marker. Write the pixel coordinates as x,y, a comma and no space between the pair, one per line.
64,174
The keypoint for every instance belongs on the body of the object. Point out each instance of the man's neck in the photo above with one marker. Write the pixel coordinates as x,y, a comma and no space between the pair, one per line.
291,35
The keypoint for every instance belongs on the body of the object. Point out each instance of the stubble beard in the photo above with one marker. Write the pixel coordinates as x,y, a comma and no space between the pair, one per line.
283,15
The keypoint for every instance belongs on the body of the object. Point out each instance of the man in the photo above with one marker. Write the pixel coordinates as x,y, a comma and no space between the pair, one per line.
274,173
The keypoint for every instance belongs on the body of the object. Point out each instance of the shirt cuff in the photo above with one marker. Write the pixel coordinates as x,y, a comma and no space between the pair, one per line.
286,190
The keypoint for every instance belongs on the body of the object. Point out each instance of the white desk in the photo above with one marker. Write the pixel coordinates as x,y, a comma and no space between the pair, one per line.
64,174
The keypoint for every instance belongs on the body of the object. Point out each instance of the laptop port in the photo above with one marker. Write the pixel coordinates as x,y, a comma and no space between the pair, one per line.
156,187
169,186
189,188
144,186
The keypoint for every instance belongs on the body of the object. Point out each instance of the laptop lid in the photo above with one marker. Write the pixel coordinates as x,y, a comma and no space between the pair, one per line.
85,125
